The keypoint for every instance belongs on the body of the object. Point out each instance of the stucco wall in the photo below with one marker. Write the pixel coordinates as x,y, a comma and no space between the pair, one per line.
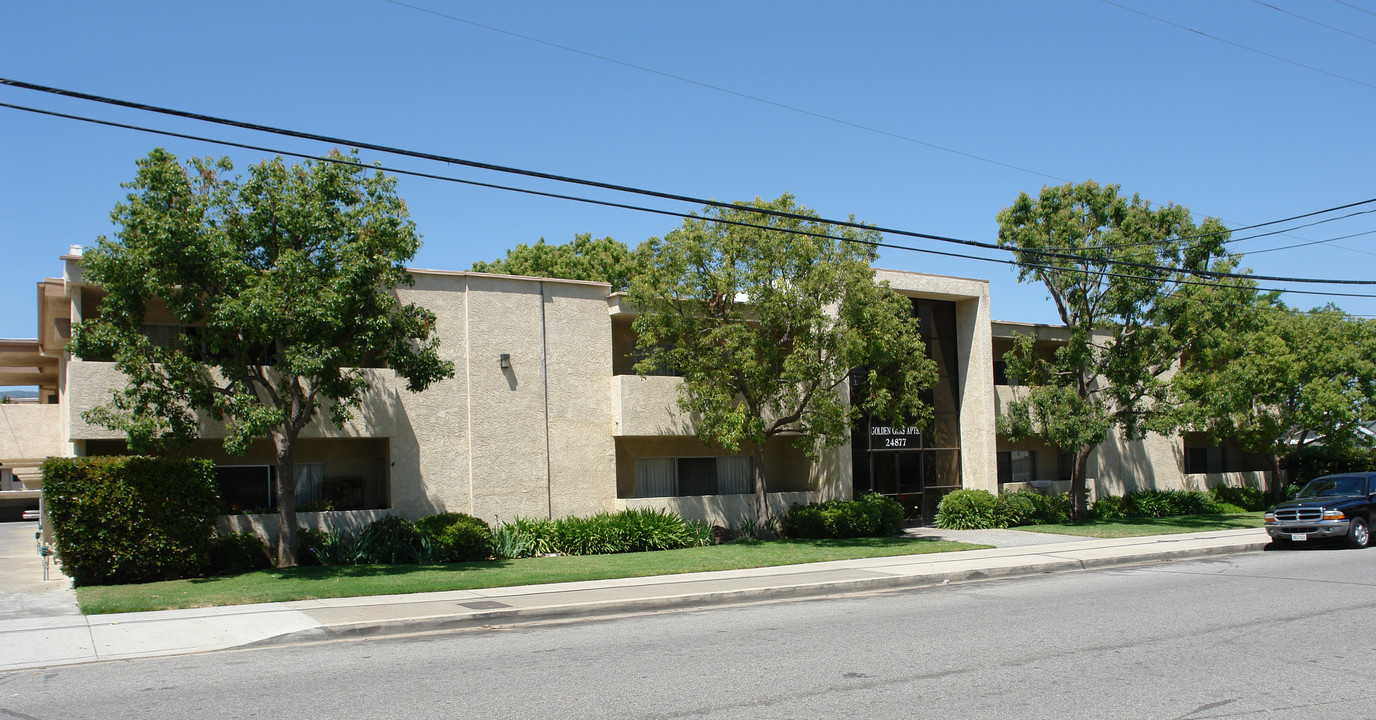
648,406
978,439
29,433
266,526
724,510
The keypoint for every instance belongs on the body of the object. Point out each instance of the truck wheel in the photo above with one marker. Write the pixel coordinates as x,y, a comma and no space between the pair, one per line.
1358,534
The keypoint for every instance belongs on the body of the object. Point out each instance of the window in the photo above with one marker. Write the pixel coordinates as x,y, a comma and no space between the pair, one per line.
639,354
1017,466
693,476
250,487
1203,459
1000,372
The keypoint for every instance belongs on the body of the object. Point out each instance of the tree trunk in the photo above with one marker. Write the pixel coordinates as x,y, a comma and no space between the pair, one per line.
763,528
285,445
1277,479
1079,493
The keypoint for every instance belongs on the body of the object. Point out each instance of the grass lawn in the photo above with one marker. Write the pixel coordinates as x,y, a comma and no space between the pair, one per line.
1151,526
304,583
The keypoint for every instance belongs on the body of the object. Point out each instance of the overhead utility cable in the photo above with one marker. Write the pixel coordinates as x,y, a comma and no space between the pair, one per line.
605,203
649,193
1336,29
1201,33
729,91
1245,227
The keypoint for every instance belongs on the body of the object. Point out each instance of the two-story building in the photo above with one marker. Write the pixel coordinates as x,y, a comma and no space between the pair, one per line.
545,416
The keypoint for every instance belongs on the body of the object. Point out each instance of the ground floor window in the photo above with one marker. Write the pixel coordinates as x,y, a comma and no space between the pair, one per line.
690,476
254,487
1017,466
1203,459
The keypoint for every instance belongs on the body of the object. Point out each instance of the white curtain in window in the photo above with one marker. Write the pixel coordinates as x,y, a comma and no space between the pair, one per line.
310,482
734,476
654,477
1024,464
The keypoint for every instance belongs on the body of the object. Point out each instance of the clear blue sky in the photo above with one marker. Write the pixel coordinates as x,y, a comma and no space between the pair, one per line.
1059,91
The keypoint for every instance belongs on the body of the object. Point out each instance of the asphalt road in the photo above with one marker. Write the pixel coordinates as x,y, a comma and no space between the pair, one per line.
1276,634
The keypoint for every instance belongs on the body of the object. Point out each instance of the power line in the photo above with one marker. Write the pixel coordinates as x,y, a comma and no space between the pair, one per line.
1354,7
1311,242
604,203
650,193
737,93
1363,38
1244,227
728,91
1225,41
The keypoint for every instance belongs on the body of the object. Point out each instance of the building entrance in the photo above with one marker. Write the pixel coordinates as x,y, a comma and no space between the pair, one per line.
918,466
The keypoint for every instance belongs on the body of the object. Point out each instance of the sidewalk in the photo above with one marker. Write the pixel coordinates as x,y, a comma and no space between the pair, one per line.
29,642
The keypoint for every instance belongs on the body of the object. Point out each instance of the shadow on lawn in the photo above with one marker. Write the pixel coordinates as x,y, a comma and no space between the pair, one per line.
333,572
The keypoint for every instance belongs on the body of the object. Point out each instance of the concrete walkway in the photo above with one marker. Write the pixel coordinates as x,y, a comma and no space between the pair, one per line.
23,591
60,639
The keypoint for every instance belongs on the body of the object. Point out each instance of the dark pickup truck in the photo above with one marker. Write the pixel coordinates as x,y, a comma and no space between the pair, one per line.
1330,507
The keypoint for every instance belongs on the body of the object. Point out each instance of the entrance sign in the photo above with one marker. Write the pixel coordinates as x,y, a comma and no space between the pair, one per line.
884,437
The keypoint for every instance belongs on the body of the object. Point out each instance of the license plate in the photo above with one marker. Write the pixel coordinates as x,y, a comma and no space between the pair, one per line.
1299,536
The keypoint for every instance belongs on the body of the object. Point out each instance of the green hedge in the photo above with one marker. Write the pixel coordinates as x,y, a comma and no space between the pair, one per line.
458,537
1156,504
969,510
131,519
601,534
870,515
981,509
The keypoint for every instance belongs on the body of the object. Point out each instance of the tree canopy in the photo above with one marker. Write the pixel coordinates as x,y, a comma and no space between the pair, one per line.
1114,267
1275,379
766,317
582,258
283,287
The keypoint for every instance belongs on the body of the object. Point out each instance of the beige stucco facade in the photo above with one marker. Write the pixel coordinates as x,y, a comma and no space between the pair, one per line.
544,416
1118,465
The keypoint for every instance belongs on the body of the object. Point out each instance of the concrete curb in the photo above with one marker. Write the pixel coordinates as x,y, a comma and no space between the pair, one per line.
608,608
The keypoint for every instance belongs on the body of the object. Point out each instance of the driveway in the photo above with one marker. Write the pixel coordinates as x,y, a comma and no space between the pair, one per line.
23,591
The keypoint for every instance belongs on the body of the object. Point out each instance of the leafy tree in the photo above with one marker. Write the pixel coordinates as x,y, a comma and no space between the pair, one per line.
284,285
1278,380
582,258
766,319
1122,319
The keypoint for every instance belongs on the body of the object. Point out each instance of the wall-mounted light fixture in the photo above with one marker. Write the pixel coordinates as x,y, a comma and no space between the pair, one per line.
504,360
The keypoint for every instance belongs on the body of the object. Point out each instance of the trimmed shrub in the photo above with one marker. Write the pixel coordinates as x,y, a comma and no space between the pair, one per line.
888,512
1227,508
1249,499
131,519
238,552
870,515
1028,507
457,537
389,540
969,510
1154,504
